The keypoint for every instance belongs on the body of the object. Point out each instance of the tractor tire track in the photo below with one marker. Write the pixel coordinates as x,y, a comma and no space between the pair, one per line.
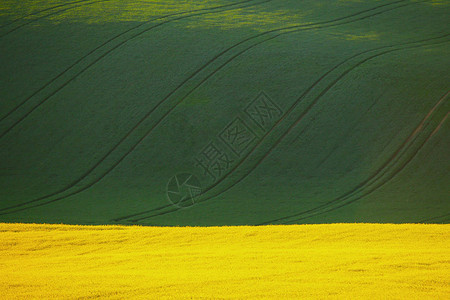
390,163
347,134
295,124
446,216
386,180
190,14
381,171
41,11
310,107
280,120
440,125
296,29
173,209
311,26
198,71
273,147
103,55
84,3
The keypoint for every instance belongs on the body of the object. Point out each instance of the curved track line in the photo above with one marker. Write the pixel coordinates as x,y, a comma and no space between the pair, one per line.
300,27
390,162
50,14
293,125
393,175
190,14
41,11
297,28
146,212
306,111
347,133
263,138
148,114
440,125
306,91
434,218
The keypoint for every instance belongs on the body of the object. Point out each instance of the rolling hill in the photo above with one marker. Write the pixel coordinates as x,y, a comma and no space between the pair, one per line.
224,112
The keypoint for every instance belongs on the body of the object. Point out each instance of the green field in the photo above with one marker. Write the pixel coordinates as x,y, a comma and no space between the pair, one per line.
279,111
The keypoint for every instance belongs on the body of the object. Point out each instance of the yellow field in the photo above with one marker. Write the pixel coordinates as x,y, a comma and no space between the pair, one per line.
363,261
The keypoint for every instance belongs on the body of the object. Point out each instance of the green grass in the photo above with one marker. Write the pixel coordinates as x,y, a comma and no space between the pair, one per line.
354,80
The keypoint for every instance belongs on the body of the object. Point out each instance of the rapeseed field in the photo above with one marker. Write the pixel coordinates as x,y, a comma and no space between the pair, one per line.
336,261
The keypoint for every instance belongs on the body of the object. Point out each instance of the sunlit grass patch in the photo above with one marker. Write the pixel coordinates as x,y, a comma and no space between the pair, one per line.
104,11
237,14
